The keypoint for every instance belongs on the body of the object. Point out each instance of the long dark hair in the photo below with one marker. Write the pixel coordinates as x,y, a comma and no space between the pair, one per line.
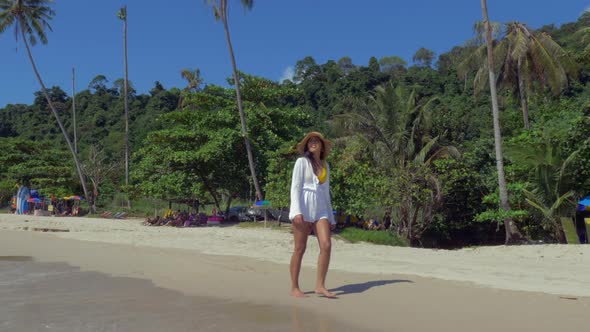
311,157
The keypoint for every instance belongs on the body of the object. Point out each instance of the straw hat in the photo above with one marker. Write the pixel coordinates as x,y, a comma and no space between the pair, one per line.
327,144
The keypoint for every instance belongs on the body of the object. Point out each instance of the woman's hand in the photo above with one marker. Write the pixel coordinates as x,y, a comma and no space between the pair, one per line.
299,223
332,227
298,219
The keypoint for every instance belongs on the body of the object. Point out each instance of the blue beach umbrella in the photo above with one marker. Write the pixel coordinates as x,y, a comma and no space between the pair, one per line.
584,204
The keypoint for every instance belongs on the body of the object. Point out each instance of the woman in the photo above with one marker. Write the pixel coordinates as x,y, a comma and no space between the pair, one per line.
311,208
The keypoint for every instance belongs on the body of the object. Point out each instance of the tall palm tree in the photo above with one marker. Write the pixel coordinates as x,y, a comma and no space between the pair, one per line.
194,81
522,58
122,14
512,233
74,110
30,18
220,9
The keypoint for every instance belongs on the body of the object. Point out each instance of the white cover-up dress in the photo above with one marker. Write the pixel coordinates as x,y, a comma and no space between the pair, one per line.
309,197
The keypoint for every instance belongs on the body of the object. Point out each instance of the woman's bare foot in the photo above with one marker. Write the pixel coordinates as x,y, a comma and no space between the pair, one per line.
296,292
325,292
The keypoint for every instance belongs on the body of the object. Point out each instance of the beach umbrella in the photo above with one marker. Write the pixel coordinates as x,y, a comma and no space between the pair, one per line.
584,204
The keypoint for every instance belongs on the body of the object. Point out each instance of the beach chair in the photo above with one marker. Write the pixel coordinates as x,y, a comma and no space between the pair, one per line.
120,215
106,214
569,228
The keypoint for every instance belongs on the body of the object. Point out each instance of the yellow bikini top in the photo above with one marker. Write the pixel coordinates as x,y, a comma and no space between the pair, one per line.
324,174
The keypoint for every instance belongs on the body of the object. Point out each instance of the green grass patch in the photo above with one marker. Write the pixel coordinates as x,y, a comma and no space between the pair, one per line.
354,235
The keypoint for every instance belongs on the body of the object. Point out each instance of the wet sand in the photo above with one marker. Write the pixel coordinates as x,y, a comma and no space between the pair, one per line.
58,297
252,294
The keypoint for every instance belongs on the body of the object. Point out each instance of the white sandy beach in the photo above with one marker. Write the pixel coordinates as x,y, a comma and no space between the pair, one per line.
380,288
552,269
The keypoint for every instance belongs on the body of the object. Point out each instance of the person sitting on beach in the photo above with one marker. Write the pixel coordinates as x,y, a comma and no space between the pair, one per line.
311,209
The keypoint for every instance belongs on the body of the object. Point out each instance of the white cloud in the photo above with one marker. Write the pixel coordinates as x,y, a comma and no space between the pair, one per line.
288,74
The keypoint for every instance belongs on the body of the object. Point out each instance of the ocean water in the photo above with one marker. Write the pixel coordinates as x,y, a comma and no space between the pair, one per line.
37,296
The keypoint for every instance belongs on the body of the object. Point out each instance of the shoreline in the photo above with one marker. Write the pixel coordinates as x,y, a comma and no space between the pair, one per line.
383,302
553,269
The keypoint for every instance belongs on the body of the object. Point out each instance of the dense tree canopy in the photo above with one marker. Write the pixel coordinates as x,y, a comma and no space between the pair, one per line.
413,144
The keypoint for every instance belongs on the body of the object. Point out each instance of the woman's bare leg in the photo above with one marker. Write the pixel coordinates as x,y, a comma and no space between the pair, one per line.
322,231
300,233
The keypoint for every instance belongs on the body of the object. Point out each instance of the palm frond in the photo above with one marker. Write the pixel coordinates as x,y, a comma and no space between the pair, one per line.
564,166
565,198
421,156
472,62
444,152
520,44
535,200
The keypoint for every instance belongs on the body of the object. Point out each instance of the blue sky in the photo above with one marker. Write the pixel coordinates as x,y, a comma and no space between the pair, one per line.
167,36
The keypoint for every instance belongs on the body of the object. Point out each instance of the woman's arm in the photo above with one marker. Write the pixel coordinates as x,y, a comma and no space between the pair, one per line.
296,188
328,199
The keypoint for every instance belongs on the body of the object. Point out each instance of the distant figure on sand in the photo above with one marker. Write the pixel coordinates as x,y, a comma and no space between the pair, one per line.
311,208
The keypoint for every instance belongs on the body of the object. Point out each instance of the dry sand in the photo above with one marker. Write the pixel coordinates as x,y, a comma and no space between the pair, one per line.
382,288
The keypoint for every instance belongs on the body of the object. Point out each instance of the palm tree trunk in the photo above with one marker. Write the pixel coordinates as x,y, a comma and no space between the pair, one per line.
74,110
523,100
60,124
512,233
126,108
241,110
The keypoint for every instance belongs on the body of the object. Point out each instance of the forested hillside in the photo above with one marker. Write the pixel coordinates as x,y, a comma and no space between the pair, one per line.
413,142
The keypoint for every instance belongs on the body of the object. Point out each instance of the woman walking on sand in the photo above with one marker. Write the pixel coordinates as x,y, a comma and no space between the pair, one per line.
311,209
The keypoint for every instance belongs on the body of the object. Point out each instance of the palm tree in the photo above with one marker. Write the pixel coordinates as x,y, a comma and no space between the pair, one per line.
512,233
193,78
74,110
396,129
523,57
122,14
220,8
194,81
30,18
552,191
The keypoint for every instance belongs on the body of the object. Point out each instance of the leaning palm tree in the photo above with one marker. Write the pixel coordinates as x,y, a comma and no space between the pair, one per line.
512,233
30,19
220,9
122,14
524,60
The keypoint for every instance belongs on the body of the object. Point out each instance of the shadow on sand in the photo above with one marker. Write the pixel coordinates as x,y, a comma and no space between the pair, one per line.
362,287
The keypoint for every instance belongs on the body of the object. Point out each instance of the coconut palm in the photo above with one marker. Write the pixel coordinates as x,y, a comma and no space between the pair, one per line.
74,110
194,81
552,191
193,78
512,233
524,60
30,19
220,9
396,130
122,14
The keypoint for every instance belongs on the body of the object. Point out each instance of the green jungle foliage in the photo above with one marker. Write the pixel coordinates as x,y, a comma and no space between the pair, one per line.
412,143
